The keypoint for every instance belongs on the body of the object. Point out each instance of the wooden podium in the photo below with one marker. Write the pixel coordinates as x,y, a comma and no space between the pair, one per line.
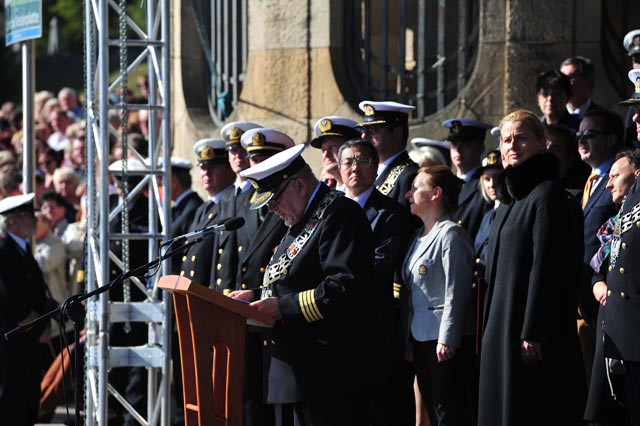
211,329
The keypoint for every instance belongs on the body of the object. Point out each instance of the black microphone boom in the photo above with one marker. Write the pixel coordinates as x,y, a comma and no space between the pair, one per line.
230,224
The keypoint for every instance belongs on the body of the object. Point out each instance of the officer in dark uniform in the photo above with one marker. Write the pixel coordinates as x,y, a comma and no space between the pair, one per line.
22,299
386,124
185,203
254,245
238,158
200,263
622,310
467,145
317,359
391,391
331,132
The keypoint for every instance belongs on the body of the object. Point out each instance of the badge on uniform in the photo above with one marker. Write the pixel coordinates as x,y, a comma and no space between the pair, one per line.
422,269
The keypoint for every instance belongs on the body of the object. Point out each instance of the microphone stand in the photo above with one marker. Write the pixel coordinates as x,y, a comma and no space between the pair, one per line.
73,308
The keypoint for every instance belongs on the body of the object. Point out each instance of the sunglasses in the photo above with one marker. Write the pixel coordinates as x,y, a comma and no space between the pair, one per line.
589,133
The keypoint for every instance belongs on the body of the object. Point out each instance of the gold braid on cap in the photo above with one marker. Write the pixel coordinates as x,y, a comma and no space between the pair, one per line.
325,125
235,134
207,153
369,110
258,139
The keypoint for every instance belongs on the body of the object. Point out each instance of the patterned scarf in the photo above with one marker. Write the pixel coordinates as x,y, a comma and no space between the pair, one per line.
604,235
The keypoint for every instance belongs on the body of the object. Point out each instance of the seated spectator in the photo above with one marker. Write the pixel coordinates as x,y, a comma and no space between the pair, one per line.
66,183
10,183
68,100
573,172
59,122
5,135
554,90
52,206
73,239
48,161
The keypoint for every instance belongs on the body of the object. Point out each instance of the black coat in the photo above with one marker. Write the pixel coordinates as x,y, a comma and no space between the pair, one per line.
471,206
318,350
622,311
182,215
22,290
533,266
404,181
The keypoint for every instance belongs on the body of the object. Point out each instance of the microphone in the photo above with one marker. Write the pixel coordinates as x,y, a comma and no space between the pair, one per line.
230,224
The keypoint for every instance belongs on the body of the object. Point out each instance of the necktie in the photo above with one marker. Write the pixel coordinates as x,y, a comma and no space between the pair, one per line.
587,188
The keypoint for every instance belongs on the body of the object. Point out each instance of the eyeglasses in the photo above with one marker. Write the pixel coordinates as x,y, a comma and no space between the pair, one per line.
274,200
589,133
360,161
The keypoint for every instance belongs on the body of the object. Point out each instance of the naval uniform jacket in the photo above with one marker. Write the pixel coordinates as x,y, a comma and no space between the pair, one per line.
22,290
317,350
256,242
392,227
182,214
403,184
197,263
622,311
471,205
533,269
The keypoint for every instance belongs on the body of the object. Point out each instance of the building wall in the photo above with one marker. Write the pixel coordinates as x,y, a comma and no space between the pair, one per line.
295,51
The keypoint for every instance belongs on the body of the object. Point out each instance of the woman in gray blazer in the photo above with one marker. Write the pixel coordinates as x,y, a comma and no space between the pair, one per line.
437,311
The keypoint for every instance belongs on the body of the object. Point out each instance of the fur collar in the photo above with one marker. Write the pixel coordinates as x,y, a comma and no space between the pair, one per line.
517,182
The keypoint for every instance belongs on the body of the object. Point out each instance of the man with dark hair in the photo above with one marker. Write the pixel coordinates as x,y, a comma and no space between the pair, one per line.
185,203
581,74
392,390
52,205
386,125
599,138
22,299
573,172
467,145
554,90
331,132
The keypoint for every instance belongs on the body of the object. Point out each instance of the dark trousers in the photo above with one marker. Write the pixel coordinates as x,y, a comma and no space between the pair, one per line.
328,412
19,390
392,400
632,384
445,386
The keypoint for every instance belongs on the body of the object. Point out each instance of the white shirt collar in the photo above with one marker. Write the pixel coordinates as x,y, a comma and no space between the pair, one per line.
216,198
244,185
581,110
362,197
383,166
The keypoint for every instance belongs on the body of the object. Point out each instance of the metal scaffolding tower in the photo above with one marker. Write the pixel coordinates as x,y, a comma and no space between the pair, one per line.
111,31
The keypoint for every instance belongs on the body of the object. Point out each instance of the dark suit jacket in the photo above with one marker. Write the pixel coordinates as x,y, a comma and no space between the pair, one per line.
392,227
598,210
182,215
471,206
404,181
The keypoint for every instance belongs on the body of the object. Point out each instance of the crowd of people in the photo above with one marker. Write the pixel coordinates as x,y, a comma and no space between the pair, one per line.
449,285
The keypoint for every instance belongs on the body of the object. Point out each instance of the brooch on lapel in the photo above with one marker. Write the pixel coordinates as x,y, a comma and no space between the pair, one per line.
422,270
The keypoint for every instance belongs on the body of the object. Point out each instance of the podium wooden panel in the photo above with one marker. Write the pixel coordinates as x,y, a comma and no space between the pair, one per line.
211,329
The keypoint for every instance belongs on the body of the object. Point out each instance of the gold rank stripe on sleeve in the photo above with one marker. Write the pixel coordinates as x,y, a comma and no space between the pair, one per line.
307,301
396,290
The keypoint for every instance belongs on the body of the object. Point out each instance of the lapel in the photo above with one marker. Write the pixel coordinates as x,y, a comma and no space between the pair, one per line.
399,159
431,238
372,207
599,192
270,225
468,189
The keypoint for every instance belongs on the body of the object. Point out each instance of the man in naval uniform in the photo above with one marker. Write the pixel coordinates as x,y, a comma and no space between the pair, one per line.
331,132
622,310
22,299
217,179
467,145
185,203
254,245
386,124
317,358
391,396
